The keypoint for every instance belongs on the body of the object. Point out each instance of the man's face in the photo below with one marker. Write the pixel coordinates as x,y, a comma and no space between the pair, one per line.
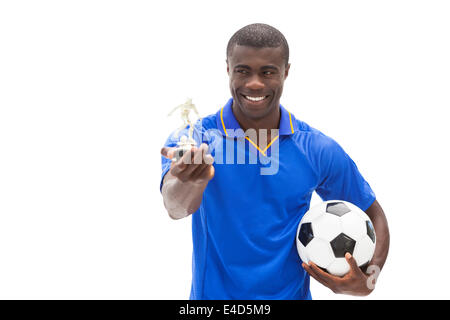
256,79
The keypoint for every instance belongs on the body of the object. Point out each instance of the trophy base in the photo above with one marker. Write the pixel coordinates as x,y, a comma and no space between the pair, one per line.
179,152
184,145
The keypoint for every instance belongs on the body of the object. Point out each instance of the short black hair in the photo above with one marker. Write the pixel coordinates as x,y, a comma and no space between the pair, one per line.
259,35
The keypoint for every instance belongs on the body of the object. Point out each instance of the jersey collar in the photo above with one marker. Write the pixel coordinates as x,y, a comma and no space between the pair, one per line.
226,120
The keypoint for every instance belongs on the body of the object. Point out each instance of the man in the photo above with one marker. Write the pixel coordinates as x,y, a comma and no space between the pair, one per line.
244,219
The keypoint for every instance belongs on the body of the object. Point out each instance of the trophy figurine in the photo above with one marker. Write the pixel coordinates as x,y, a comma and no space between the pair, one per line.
186,142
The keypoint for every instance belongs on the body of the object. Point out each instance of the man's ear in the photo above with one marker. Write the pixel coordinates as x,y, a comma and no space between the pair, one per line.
228,68
286,70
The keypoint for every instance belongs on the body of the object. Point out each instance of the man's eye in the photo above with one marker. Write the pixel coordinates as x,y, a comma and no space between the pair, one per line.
242,71
268,73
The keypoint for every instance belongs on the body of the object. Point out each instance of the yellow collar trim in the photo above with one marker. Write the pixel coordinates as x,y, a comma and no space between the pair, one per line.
223,125
290,121
254,144
265,149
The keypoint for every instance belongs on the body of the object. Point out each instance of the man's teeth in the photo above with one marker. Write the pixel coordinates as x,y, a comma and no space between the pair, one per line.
255,98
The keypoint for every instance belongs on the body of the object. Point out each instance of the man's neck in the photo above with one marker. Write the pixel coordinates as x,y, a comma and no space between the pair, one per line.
271,121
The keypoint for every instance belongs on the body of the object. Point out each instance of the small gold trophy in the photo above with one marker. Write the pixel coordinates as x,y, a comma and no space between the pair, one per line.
186,142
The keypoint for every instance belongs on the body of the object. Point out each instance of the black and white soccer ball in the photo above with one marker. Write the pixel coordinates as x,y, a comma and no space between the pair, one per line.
330,229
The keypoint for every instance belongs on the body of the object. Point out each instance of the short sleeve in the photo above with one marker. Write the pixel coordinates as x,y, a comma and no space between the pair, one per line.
341,179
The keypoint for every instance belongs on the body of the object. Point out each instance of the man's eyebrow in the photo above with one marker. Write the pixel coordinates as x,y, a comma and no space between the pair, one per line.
244,66
270,67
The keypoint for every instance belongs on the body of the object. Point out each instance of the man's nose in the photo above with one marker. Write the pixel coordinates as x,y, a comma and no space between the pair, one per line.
254,83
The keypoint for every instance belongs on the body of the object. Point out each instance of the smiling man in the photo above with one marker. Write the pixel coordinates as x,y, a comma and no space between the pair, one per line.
244,221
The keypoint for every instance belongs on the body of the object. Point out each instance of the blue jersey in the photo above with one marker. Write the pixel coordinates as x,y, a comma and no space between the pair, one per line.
245,228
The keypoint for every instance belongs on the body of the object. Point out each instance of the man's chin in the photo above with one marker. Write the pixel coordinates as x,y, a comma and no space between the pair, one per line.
253,110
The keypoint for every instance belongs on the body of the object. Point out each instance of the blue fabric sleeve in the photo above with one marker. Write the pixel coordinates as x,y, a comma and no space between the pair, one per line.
341,179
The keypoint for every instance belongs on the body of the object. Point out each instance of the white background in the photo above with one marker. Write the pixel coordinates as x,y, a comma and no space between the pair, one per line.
85,88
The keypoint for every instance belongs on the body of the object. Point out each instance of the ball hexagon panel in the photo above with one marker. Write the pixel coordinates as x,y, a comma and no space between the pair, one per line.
353,225
312,214
326,227
370,230
319,251
305,234
337,208
342,244
302,252
364,250
360,213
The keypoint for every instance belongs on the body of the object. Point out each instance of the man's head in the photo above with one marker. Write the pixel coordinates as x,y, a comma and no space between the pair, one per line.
257,64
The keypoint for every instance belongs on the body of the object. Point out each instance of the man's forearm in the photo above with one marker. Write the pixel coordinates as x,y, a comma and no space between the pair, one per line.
382,247
181,198
376,214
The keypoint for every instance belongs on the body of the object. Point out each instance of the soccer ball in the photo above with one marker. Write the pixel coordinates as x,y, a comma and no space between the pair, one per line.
332,228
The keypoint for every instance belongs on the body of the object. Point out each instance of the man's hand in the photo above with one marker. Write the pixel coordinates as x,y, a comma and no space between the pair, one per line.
355,282
184,184
194,167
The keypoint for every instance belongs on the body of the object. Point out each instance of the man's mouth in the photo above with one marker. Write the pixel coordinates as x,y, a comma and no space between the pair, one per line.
255,98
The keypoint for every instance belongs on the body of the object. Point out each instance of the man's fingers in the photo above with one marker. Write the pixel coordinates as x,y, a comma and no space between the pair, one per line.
200,153
193,164
182,164
199,171
188,172
191,160
164,151
313,274
211,172
208,159
351,261
322,274
196,155
168,152
326,278
177,168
